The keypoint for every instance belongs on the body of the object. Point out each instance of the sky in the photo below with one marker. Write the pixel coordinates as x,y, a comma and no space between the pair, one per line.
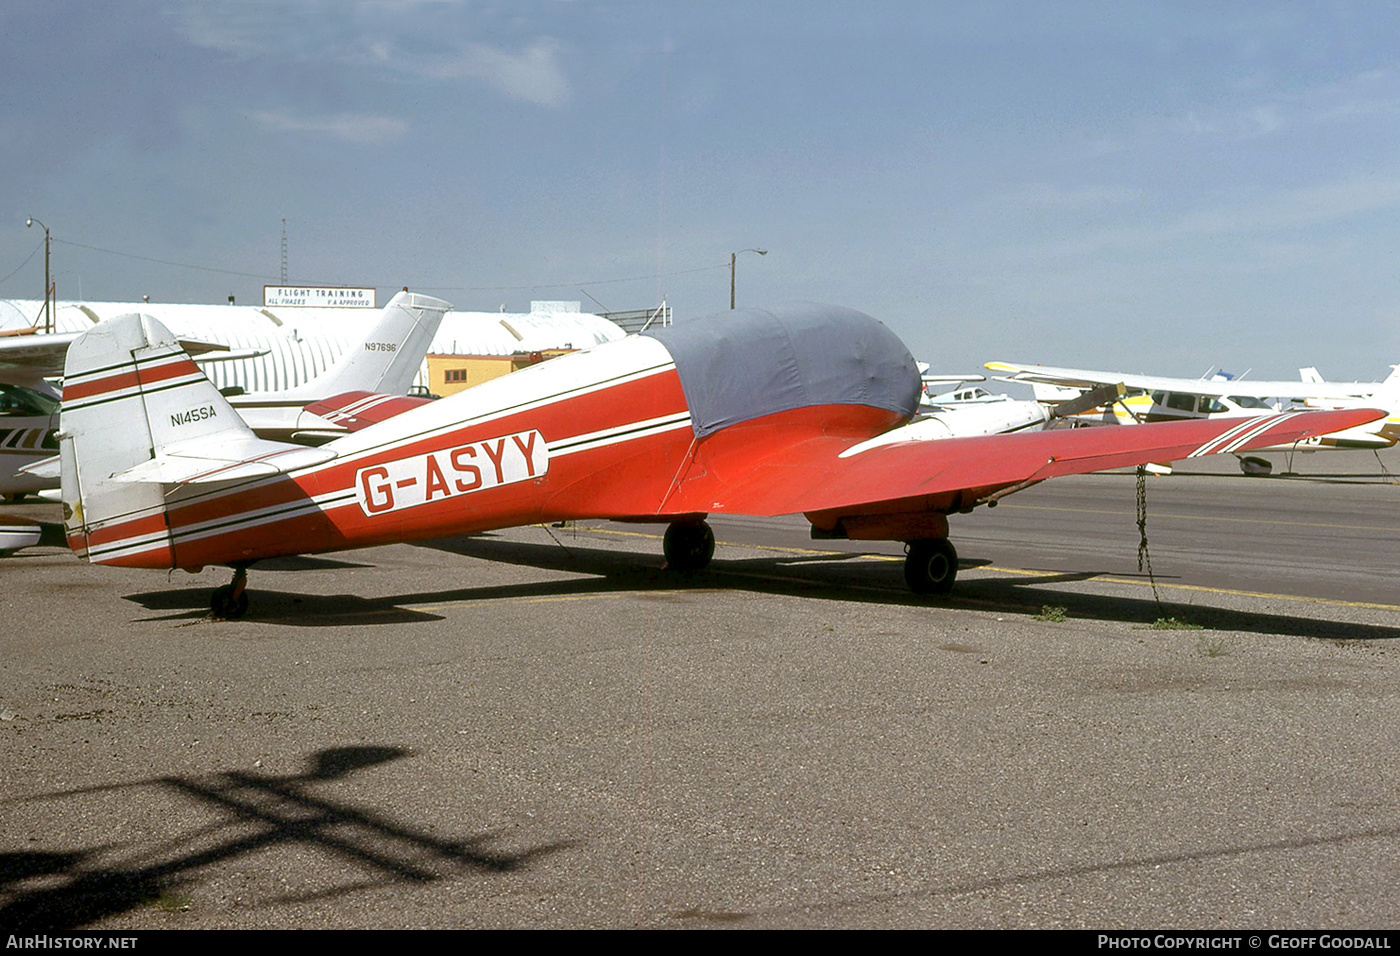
1147,187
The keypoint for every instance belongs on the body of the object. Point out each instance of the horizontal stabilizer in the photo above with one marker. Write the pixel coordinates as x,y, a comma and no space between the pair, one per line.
221,353
228,461
43,468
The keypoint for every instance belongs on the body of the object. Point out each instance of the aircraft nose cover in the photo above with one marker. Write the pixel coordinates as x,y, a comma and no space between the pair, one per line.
744,364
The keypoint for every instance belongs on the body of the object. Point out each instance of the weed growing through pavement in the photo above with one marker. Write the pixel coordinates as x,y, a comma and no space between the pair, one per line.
1173,624
1212,647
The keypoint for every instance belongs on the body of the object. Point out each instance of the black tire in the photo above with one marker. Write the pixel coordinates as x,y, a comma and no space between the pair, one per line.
688,546
225,606
931,566
1254,467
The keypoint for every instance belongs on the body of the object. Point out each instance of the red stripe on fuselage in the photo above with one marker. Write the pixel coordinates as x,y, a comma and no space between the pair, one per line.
117,531
145,375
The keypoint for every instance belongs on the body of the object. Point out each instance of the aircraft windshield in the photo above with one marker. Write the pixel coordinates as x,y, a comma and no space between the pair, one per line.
21,401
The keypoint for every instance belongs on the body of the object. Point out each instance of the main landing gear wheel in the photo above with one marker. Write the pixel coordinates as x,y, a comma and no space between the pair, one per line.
688,546
230,602
931,566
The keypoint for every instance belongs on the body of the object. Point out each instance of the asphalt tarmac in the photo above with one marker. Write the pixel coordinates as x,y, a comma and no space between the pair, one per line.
542,728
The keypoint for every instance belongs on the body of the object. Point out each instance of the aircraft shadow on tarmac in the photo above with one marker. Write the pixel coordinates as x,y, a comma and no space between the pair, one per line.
51,890
851,577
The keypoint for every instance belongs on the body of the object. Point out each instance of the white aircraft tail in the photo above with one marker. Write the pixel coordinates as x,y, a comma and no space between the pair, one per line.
137,417
389,358
1387,396
1052,394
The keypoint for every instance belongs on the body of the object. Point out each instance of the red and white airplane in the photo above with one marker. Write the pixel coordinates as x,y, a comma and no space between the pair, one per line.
796,410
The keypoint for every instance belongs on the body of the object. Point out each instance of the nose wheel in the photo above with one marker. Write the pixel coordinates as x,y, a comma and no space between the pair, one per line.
230,602
930,566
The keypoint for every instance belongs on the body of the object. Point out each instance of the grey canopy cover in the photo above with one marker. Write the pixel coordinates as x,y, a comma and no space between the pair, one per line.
740,365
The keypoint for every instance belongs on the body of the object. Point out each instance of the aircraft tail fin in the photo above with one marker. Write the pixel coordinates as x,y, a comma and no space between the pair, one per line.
389,358
1387,393
138,416
1052,394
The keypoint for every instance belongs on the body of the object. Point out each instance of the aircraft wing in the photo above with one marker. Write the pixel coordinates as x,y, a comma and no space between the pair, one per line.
815,477
1088,378
930,378
29,354
34,356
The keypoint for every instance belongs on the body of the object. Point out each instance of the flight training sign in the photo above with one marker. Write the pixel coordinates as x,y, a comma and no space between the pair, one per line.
325,296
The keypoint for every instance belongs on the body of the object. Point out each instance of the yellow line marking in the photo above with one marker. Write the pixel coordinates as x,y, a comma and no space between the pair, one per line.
520,600
1108,579
758,547
1187,517
1026,572
564,597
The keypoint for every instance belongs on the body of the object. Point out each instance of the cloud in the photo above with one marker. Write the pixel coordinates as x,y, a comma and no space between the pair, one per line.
1312,205
423,40
350,127
1264,219
533,75
1052,196
1254,110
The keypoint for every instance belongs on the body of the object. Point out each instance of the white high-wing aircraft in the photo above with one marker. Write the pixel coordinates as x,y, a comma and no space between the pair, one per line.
1155,398
386,363
967,410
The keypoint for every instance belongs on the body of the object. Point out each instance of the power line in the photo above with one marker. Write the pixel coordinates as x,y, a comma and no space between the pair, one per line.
568,285
163,262
440,288
25,262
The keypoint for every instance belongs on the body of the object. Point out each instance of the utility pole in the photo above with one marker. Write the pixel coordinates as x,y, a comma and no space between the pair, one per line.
50,293
732,257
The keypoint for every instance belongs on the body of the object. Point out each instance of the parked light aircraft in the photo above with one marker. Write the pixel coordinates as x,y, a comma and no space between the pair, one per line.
793,410
286,346
1154,398
387,362
967,410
